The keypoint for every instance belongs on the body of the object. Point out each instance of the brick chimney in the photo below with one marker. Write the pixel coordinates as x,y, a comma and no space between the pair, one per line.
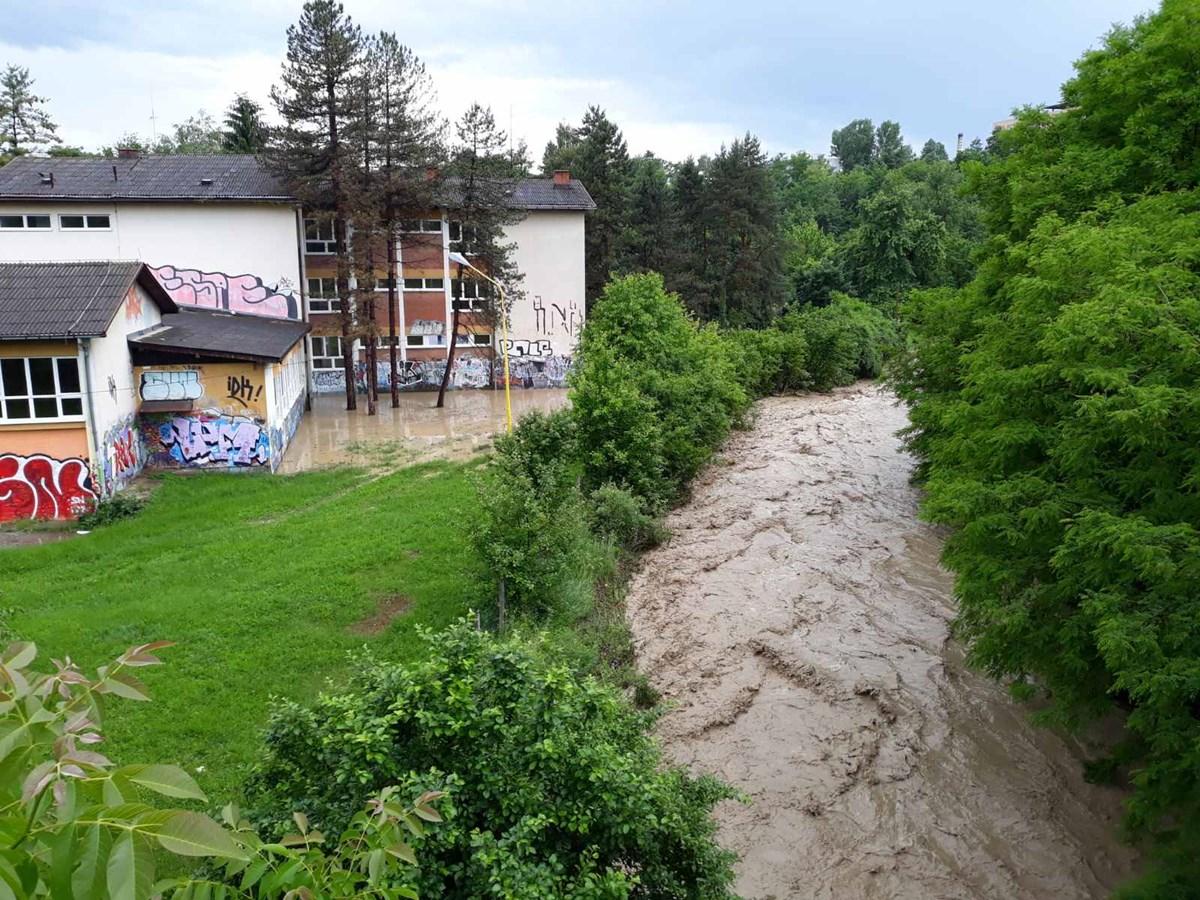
562,177
431,173
128,153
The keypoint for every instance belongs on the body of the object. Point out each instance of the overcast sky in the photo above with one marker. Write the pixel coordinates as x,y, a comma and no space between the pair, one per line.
679,78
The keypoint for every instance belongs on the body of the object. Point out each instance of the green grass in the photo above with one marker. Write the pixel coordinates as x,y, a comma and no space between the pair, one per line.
258,580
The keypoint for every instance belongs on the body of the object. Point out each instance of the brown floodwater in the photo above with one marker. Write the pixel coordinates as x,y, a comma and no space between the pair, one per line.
414,431
797,623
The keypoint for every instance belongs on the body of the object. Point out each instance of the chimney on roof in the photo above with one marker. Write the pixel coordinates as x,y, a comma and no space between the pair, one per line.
128,153
206,182
431,173
562,177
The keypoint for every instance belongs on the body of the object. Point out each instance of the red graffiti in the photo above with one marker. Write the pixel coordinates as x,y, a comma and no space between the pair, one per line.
39,487
216,290
125,452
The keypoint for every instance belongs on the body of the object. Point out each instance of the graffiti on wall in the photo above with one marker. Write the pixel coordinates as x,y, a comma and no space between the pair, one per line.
282,436
548,371
557,318
133,306
241,389
40,487
514,347
208,440
171,385
121,455
234,293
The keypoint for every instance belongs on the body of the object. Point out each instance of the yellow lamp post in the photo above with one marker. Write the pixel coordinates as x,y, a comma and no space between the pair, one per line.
459,259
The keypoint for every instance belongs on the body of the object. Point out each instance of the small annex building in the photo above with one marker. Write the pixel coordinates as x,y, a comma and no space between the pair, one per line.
88,352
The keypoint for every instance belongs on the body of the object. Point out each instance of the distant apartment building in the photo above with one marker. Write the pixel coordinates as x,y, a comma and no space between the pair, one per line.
219,236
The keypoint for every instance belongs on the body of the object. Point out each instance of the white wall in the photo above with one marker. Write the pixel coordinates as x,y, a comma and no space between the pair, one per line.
114,395
550,253
233,239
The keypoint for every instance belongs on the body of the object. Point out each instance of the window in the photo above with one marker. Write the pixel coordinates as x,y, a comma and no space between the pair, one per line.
424,284
422,226
322,295
84,223
381,341
460,232
40,387
470,293
326,352
318,237
474,339
27,221
426,340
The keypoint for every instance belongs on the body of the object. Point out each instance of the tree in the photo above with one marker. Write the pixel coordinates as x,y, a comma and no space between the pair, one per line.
194,136
744,236
689,272
648,239
407,141
853,146
245,131
890,149
1054,407
315,99
480,169
934,151
560,153
26,123
600,160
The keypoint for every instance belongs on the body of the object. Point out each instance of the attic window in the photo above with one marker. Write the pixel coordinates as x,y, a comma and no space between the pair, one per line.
206,182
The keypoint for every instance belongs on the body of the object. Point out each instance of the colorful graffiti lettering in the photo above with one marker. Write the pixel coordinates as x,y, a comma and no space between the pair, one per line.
40,487
133,306
214,440
242,390
122,455
235,293
549,371
171,386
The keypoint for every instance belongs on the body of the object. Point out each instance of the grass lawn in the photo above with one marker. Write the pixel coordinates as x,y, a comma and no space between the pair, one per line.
260,581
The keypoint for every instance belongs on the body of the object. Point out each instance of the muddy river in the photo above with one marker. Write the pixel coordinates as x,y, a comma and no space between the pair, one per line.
798,623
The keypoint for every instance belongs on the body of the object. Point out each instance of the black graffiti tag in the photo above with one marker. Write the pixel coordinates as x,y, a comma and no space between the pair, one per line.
241,390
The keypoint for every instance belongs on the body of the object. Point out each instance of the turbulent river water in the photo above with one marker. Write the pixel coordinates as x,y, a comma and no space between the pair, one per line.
797,623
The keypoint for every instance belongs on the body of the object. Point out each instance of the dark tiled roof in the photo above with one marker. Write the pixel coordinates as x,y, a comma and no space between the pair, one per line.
529,193
66,300
209,332
145,178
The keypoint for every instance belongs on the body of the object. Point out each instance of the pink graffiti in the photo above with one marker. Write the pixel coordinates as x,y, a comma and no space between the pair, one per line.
40,487
216,290
125,452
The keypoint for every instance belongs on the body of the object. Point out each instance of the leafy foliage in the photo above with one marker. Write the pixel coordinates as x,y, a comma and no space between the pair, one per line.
76,824
1054,407
24,123
617,515
554,788
119,506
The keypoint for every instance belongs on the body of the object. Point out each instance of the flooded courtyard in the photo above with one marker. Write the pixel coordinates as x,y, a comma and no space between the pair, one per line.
798,626
413,432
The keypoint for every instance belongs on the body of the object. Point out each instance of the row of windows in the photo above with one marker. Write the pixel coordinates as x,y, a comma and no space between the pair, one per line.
327,349
468,294
42,222
40,388
318,235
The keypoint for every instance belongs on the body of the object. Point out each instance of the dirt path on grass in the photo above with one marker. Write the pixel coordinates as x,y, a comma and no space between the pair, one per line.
798,621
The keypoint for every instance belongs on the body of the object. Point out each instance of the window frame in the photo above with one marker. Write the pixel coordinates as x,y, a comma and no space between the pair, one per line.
25,226
87,222
425,286
474,339
327,245
334,359
30,397
421,340
421,226
328,303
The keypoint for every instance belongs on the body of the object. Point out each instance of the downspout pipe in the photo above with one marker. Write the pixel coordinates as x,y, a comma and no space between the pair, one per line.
93,439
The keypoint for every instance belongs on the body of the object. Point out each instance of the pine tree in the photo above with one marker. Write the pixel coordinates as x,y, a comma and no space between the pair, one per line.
480,189
315,99
25,122
744,236
690,265
601,161
560,153
245,131
648,240
407,142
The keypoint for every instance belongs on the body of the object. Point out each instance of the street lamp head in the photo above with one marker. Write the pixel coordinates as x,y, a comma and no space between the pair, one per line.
459,259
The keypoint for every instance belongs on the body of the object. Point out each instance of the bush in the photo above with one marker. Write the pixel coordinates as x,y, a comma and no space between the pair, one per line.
653,393
847,340
768,361
532,532
618,516
556,789
119,506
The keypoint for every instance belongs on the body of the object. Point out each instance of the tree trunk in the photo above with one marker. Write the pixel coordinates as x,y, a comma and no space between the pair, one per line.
441,401
392,342
372,355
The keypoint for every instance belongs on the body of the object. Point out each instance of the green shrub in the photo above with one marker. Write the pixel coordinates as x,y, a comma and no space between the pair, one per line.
556,789
119,506
653,393
847,340
531,531
769,360
619,516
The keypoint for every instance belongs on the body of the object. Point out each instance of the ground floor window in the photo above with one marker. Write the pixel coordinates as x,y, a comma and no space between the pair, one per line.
426,340
326,352
473,339
40,387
